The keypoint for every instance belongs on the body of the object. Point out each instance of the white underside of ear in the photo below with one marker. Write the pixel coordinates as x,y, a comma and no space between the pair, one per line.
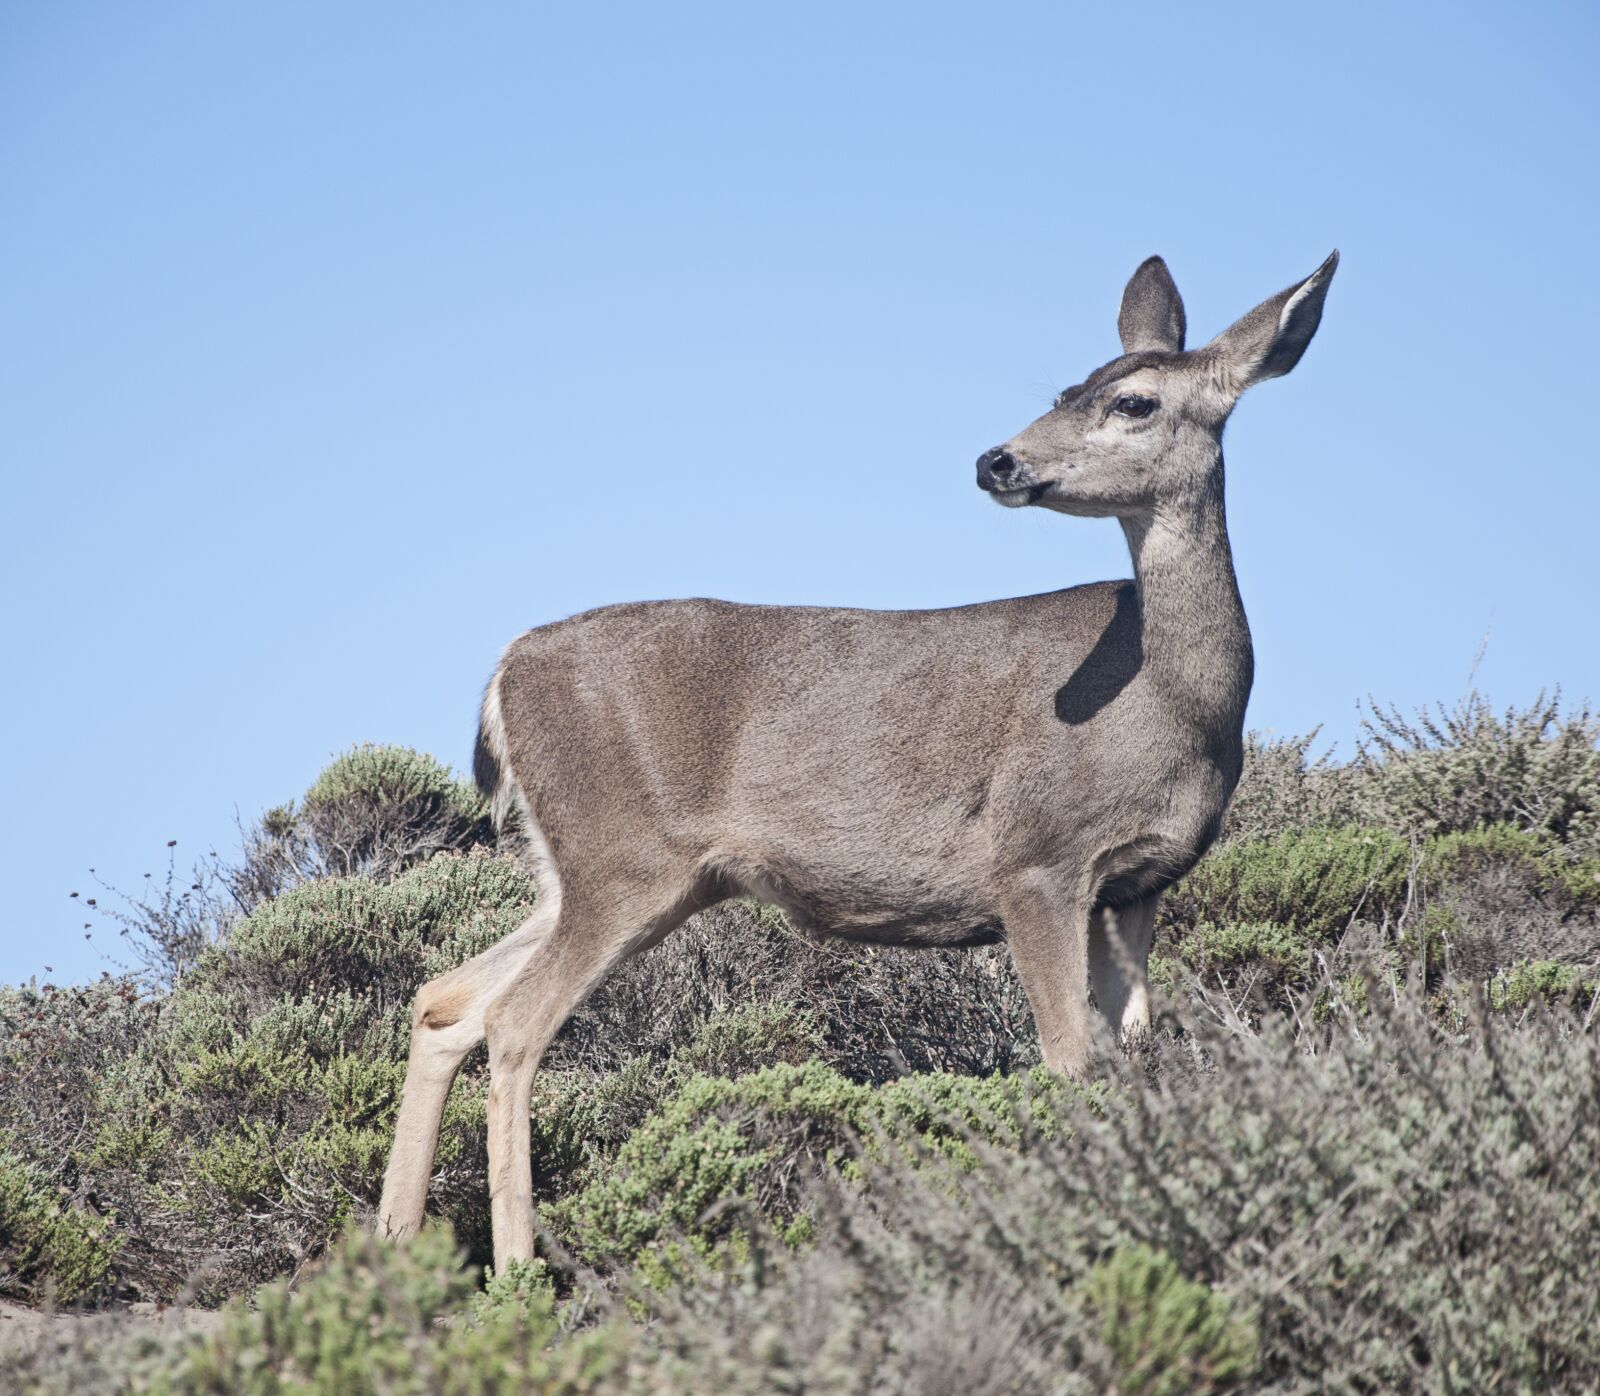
1289,306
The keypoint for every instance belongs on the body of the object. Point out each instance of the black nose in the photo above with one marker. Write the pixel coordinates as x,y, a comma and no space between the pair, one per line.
996,467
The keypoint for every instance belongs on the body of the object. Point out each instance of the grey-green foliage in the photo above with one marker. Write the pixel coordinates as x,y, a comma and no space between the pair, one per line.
1440,770
393,778
1453,769
255,1116
1315,880
1371,1205
49,1247
1542,867
1272,916
374,811
1168,1335
1308,1220
373,1320
1531,982
249,1114
1314,1183
719,1152
374,939
55,1044
1283,787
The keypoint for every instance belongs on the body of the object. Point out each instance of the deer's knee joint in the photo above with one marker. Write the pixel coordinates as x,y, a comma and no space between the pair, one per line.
509,1050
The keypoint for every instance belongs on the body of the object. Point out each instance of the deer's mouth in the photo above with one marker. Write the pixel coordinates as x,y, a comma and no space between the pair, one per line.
1017,498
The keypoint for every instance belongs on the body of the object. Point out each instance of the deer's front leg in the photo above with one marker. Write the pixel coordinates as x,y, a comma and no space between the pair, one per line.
1119,953
1046,918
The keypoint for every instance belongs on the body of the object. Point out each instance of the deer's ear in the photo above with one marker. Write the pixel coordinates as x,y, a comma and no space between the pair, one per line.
1269,341
1152,310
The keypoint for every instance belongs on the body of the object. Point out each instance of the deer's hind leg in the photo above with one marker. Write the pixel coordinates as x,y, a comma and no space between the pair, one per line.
447,1021
593,935
1119,953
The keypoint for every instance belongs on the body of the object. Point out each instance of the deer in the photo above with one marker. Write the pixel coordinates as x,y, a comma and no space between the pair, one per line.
1036,770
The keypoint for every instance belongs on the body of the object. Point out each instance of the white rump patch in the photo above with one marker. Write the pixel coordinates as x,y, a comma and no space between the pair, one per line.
494,734
508,792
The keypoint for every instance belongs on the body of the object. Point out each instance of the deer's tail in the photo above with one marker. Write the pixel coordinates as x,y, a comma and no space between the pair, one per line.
491,759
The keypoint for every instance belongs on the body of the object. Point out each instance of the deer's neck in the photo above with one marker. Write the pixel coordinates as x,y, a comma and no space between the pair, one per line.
1196,640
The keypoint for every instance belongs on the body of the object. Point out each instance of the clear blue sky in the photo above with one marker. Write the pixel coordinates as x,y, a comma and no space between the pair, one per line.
339,343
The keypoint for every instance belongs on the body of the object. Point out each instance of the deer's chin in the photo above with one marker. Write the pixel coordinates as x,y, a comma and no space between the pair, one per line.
1019,498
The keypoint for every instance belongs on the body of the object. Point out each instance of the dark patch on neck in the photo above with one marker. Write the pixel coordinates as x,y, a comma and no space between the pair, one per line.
1109,667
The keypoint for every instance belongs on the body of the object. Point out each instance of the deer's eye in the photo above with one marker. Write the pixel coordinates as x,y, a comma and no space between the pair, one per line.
1131,406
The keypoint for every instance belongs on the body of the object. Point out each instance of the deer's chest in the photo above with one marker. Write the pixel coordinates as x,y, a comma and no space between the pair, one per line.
1137,835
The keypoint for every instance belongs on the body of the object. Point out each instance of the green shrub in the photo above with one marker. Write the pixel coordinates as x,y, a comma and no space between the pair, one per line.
737,1092
524,1285
1449,858
256,1117
392,777
1260,945
377,940
1540,981
1347,998
1168,1335
711,1142
748,1038
1286,1219
1260,963
373,812
1439,771
607,1109
1282,788
49,1248
371,1321
1314,881
1364,1239
719,1152
56,1043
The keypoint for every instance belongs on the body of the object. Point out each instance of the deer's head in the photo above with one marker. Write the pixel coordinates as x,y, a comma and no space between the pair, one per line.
1145,430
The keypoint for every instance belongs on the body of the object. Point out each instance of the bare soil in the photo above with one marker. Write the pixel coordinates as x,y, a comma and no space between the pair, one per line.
22,1327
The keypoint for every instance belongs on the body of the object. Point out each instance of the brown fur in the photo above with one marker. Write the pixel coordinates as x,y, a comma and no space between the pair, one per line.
444,1008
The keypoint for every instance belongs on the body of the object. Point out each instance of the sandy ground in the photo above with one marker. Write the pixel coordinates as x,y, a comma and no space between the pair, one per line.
21,1327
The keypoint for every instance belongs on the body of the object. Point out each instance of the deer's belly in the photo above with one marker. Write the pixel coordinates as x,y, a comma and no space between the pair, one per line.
928,934
879,907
